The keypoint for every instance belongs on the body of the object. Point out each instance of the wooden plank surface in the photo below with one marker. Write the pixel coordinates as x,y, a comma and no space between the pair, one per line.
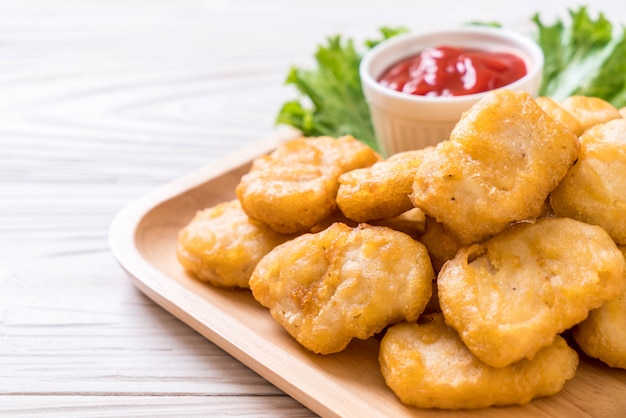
104,101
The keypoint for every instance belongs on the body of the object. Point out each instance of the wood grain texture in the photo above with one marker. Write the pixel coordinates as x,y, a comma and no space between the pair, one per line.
102,102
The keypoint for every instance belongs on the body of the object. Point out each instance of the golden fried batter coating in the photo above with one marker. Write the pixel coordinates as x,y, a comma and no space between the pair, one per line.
412,222
603,334
382,190
334,217
590,111
510,295
294,188
342,283
428,366
558,113
441,245
433,303
594,190
502,160
222,245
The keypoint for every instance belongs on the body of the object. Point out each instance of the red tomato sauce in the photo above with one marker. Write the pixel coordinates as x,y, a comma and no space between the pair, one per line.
450,71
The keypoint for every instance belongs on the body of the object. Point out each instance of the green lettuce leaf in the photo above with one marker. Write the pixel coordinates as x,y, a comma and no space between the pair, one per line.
332,101
586,57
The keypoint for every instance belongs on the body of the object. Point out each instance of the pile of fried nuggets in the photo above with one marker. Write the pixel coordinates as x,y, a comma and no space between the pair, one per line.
470,258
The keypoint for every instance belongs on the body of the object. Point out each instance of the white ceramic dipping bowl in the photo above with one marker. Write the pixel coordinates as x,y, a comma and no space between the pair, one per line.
404,121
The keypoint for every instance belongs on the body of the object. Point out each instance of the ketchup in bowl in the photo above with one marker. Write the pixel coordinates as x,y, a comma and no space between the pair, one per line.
451,71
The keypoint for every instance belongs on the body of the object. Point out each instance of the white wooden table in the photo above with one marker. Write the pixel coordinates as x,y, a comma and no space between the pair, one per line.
103,101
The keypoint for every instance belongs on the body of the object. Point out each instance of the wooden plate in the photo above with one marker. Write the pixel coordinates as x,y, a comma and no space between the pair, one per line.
143,240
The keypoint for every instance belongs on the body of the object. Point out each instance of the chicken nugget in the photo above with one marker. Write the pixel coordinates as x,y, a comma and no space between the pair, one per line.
510,295
382,190
222,245
603,334
294,188
441,245
342,283
590,111
427,365
558,113
502,160
412,222
334,217
594,189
